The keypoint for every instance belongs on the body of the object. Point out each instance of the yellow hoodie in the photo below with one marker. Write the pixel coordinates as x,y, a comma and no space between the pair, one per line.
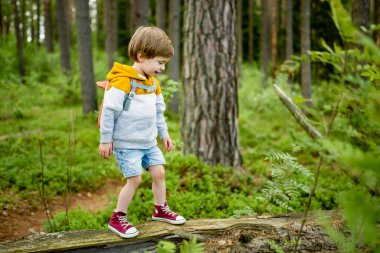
120,77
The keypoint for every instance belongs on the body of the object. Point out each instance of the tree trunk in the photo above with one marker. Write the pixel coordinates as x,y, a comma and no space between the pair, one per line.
83,25
264,41
251,44
142,12
289,29
1,21
360,13
48,26
376,20
69,8
99,24
174,64
32,23
161,6
210,119
20,54
239,14
23,22
305,47
274,20
38,22
61,10
110,29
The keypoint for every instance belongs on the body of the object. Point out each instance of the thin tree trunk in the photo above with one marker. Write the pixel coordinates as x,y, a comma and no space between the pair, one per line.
48,26
174,64
161,6
289,29
251,44
210,119
99,24
20,55
38,3
32,23
274,16
23,22
1,21
264,41
305,47
83,25
110,29
360,13
61,10
142,12
376,15
69,8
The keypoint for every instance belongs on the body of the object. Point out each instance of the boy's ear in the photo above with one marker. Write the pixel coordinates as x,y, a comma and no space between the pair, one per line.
140,58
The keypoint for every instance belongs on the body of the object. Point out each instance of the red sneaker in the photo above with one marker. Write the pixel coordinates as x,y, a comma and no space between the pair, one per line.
163,213
120,225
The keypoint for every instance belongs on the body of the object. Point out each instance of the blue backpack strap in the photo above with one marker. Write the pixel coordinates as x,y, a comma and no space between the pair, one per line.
134,85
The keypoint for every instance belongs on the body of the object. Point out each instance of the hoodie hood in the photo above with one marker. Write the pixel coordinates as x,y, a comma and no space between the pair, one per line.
120,75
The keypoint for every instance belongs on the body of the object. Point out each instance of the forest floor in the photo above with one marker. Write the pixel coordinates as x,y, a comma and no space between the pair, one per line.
25,219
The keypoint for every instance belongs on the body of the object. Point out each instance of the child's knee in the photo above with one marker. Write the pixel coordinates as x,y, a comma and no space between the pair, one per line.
135,181
158,172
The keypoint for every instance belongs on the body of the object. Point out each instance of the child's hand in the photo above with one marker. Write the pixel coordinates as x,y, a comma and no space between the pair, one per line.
105,150
168,144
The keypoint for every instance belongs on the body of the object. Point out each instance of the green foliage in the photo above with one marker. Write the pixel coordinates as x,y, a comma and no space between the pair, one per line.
190,246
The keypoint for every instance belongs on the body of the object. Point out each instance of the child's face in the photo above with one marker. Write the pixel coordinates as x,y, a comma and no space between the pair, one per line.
153,66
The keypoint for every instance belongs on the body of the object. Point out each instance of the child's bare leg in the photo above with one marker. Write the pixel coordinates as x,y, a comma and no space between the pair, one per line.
158,184
126,194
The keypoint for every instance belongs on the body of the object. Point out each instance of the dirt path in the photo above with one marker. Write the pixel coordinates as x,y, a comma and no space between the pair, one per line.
24,218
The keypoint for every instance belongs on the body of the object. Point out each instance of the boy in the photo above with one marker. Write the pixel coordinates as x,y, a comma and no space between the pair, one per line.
130,131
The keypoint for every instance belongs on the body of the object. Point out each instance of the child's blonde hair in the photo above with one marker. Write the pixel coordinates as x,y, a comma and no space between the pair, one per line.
150,42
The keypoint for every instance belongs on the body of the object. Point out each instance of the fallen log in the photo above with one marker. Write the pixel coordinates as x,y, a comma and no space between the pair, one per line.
248,234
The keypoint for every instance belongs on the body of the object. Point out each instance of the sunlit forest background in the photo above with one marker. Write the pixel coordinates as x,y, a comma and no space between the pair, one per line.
238,149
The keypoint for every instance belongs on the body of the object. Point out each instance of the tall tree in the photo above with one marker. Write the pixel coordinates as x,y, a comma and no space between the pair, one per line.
210,119
251,15
239,30
23,22
360,13
20,55
142,12
83,25
305,47
174,64
274,30
289,29
69,12
376,20
264,41
32,23
110,29
48,24
99,24
61,10
161,6
38,4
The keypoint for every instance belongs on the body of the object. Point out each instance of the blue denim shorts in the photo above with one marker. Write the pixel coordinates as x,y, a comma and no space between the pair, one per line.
133,161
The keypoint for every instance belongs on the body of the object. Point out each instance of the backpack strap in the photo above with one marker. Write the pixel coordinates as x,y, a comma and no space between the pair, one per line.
134,85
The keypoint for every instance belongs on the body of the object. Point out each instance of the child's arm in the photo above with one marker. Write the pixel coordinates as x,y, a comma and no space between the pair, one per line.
105,150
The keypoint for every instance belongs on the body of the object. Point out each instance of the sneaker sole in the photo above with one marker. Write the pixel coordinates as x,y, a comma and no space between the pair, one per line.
130,235
175,222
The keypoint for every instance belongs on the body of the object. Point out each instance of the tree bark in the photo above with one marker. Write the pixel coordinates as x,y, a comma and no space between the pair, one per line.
161,6
20,54
239,29
274,23
38,3
23,22
142,12
32,23
48,26
305,47
61,10
360,13
251,42
264,41
110,29
376,15
174,64
289,29
210,119
83,24
245,234
69,8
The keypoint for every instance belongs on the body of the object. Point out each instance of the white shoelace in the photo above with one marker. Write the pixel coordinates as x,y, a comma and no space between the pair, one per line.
168,211
124,221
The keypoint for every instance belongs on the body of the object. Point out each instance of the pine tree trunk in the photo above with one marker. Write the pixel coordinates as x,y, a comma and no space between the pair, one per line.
210,119
69,8
61,10
264,41
83,25
161,6
142,12
99,26
32,23
360,13
174,64
305,47
274,28
239,30
289,29
48,26
20,54
110,29
251,45
38,22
